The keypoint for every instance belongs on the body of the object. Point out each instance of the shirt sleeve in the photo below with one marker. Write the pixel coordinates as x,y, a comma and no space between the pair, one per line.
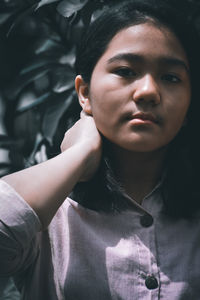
19,225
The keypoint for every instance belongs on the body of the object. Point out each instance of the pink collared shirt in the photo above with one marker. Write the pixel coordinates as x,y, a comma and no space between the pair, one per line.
136,254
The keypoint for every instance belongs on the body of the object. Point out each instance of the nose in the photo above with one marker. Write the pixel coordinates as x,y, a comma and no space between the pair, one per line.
146,90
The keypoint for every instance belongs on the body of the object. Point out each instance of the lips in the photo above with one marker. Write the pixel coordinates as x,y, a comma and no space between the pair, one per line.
144,117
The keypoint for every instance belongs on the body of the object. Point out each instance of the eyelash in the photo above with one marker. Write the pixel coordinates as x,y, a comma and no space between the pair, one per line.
171,78
126,72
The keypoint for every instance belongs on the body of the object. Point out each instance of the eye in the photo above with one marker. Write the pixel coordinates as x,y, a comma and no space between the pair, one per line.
124,72
171,78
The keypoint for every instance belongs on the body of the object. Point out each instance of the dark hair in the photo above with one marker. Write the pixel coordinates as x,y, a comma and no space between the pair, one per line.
180,185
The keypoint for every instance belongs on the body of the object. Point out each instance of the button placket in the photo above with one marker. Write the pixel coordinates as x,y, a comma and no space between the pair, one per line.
146,220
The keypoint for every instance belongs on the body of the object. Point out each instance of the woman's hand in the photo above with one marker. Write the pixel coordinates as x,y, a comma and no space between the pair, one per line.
45,186
86,136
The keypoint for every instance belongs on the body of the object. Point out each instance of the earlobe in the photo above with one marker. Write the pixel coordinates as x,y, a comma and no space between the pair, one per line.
82,90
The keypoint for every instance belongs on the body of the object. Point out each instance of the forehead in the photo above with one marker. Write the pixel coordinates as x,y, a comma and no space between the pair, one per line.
147,40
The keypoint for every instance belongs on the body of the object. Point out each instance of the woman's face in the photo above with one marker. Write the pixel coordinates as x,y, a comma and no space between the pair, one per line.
140,89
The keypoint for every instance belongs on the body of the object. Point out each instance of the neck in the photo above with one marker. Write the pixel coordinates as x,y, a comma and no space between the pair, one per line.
138,172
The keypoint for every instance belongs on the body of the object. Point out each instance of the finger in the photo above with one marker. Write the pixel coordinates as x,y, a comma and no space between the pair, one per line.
83,114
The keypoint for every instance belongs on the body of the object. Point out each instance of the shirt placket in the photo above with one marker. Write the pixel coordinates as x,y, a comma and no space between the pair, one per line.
148,273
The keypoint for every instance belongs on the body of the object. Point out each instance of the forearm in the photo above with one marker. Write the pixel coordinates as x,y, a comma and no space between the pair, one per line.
45,186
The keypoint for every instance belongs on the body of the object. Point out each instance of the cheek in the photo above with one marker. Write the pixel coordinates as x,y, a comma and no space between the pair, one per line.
107,106
177,116
106,117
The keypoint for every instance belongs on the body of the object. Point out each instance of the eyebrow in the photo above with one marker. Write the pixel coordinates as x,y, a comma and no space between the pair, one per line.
163,60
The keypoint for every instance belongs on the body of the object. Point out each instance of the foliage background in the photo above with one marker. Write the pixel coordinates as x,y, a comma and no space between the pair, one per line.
37,97
38,39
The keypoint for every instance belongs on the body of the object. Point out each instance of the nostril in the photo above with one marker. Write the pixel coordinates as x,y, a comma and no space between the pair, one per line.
153,101
147,90
151,96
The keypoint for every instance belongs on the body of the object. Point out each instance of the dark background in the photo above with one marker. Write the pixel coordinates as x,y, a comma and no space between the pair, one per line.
38,40
37,53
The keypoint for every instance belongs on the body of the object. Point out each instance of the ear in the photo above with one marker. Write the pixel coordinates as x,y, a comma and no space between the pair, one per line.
82,90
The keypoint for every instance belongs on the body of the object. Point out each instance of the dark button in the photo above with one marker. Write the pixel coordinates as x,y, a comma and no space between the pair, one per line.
151,282
146,220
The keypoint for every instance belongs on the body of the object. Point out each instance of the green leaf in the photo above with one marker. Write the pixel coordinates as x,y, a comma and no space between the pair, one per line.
41,61
24,79
62,79
68,7
20,16
41,154
45,2
5,141
52,45
39,141
4,17
35,65
45,45
15,4
5,169
54,113
68,58
32,102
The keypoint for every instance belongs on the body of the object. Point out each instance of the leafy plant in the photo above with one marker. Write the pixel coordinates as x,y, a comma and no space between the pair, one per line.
40,39
39,97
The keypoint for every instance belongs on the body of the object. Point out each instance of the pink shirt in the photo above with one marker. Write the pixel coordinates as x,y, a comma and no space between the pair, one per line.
136,254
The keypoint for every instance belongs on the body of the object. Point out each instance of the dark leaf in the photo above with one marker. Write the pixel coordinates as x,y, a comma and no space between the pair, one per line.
4,17
42,85
26,125
26,78
37,63
5,145
12,4
75,32
4,165
22,15
63,24
96,14
51,44
54,113
50,57
4,159
41,154
62,79
5,141
68,7
32,102
89,11
45,2
5,168
29,26
39,141
46,45
17,3
68,58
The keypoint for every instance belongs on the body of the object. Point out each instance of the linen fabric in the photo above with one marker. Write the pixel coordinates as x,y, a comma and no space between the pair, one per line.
139,253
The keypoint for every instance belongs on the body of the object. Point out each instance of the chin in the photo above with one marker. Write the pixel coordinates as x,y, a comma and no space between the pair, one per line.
141,147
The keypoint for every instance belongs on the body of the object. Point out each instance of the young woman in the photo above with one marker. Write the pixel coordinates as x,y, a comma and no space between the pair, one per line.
132,163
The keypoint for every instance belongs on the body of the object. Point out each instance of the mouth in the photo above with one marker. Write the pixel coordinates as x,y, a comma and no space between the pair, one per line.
143,118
